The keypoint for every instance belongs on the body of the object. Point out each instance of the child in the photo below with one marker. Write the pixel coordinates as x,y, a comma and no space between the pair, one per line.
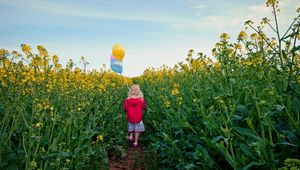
133,105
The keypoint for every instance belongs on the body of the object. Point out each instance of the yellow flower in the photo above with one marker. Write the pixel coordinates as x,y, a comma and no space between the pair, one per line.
253,36
57,66
55,59
224,37
33,164
99,138
196,100
249,22
26,48
262,36
273,43
175,89
3,52
217,65
219,100
262,102
42,50
298,36
243,35
167,104
272,2
265,20
238,46
38,125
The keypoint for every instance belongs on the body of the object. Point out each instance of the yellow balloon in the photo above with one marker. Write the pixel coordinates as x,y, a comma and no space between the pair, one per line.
118,51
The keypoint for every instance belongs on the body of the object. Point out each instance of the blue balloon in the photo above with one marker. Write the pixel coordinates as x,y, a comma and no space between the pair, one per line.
116,65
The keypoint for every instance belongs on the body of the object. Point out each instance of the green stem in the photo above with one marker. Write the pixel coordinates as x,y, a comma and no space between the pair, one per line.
270,129
293,56
259,117
231,149
278,36
295,19
46,164
24,147
271,27
261,126
262,36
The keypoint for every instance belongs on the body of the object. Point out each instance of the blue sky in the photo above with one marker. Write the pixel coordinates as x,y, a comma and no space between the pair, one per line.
153,32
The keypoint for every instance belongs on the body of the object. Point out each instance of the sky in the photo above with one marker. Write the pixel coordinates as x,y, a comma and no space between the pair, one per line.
152,33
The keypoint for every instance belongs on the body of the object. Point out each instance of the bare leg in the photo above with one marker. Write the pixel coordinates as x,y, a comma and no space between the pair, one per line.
136,138
130,136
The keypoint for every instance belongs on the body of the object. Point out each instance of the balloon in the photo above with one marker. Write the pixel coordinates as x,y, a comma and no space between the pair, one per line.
118,51
116,66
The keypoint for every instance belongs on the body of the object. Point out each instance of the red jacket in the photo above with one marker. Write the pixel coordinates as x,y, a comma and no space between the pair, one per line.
134,109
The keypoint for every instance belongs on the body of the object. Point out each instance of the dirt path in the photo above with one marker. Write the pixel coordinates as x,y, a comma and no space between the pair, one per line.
132,161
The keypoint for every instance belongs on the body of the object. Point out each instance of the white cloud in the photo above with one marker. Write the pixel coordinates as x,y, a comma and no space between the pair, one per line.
231,17
233,20
81,10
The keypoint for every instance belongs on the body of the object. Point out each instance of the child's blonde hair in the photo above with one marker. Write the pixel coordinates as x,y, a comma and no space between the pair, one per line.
132,89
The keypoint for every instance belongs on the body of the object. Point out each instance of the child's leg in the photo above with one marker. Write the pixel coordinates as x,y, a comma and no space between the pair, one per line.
136,137
130,136
139,128
130,131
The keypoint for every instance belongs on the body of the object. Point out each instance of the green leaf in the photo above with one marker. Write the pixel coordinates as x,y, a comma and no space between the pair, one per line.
286,143
296,105
252,164
190,166
296,48
247,132
242,109
247,151
217,138
227,156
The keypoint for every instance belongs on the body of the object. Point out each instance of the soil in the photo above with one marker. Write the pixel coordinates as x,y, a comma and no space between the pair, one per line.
132,161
